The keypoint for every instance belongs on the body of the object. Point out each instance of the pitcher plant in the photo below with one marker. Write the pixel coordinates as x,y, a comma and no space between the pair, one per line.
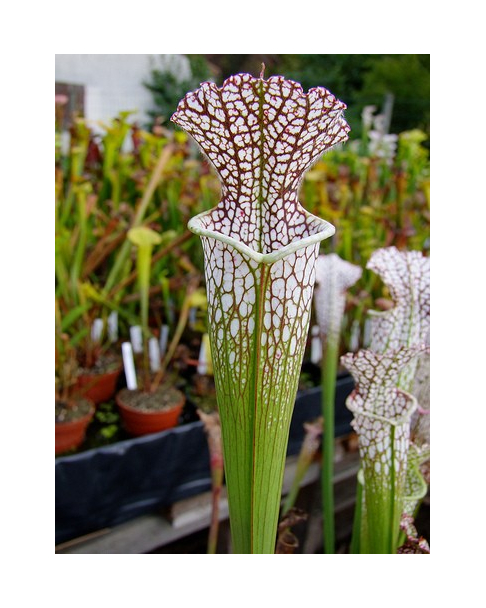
384,405
260,248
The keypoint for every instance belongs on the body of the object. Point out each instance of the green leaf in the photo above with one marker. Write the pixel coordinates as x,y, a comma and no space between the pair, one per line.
73,315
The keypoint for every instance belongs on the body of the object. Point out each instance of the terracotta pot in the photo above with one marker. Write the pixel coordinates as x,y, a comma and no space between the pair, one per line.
98,387
140,422
71,434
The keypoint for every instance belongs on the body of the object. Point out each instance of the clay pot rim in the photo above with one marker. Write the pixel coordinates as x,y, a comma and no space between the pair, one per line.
137,410
86,372
87,416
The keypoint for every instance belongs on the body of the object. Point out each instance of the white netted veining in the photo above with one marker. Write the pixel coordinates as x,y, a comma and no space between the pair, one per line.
407,277
382,414
261,136
334,276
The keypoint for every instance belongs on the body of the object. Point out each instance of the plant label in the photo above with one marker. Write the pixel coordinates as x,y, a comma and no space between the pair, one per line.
113,326
154,354
97,330
129,366
164,337
136,338
204,356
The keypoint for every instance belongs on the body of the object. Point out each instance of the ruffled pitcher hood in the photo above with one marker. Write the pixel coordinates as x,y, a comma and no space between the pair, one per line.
261,136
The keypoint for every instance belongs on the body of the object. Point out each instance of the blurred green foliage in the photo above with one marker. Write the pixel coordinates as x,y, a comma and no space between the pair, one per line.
107,183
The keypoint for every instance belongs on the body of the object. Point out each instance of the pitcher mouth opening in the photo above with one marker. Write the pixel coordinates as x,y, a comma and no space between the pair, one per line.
324,231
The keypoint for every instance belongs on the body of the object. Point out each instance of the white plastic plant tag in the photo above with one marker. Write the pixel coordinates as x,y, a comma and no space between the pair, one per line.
205,363
202,366
154,354
136,338
113,326
316,346
129,366
97,330
164,337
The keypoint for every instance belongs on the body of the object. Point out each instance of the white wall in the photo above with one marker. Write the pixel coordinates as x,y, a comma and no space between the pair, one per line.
114,82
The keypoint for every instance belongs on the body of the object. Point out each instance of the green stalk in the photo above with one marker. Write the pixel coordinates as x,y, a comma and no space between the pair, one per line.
62,274
79,150
310,445
384,508
357,520
334,277
143,268
115,187
144,239
329,372
396,505
124,251
163,252
77,161
76,268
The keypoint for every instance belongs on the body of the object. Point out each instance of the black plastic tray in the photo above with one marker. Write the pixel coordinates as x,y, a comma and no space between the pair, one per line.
107,486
